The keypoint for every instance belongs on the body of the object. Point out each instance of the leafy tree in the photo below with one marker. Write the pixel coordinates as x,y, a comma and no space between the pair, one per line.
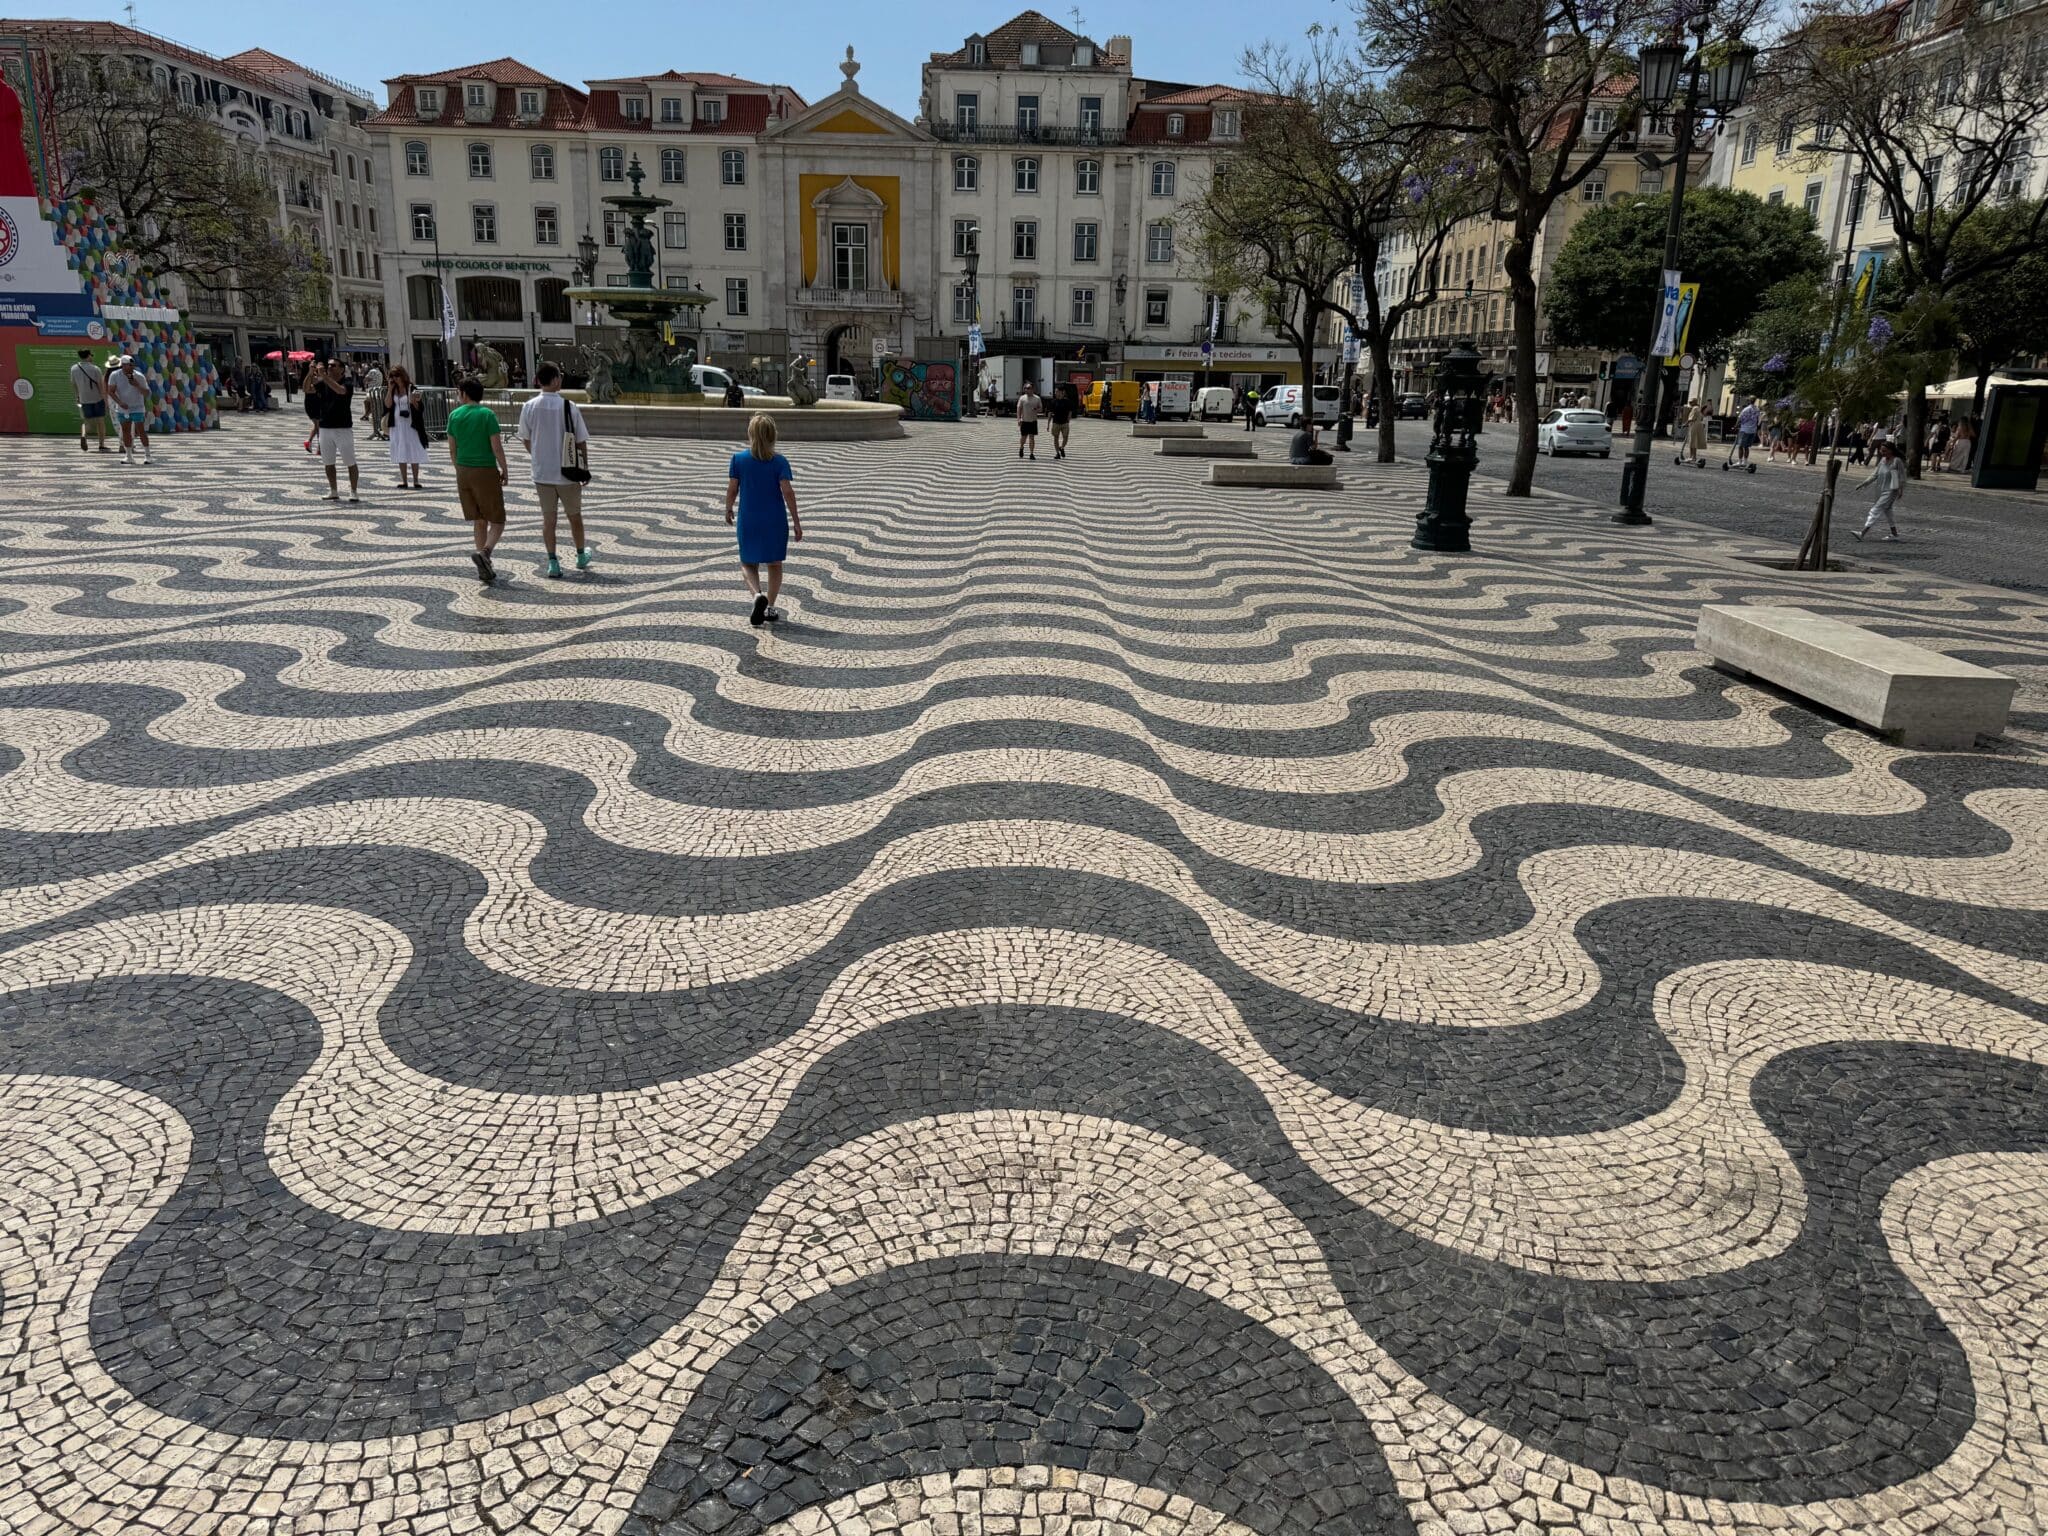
1734,245
2000,314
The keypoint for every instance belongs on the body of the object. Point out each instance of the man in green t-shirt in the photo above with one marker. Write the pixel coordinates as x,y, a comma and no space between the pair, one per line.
478,451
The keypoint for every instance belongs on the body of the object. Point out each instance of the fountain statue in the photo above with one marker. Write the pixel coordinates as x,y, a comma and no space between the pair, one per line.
641,369
801,390
490,366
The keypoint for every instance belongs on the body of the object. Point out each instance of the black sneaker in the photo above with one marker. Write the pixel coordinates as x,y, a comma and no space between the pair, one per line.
773,615
759,616
484,573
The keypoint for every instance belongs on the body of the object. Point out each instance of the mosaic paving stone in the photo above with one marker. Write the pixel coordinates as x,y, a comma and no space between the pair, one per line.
1135,1009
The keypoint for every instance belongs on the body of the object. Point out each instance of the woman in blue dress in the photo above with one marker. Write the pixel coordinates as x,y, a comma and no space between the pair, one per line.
762,487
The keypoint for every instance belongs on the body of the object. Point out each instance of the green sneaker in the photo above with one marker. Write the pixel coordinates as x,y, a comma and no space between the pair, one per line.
554,567
584,556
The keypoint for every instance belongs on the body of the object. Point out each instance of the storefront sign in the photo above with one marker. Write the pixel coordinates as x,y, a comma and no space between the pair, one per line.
1193,354
485,264
151,314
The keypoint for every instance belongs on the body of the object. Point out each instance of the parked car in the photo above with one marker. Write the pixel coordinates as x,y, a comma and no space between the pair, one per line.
1574,431
1411,408
841,386
709,380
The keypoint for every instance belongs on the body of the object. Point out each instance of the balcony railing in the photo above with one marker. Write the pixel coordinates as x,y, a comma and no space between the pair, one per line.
998,133
879,300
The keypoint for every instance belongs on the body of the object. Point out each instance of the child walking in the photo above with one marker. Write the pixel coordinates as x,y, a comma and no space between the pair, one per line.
762,486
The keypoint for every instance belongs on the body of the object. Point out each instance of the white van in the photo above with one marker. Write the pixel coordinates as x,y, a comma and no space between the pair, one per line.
841,386
1173,399
1282,403
708,380
1214,403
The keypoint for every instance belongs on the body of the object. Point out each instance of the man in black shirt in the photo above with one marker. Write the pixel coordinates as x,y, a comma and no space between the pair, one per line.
1061,409
1303,450
327,402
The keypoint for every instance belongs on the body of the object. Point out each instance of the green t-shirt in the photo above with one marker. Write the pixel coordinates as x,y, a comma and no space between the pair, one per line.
470,429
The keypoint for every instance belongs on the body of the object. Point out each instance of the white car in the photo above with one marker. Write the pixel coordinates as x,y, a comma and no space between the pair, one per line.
840,386
1574,431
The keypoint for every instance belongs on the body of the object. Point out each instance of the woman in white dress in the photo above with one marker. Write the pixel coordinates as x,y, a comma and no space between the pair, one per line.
402,408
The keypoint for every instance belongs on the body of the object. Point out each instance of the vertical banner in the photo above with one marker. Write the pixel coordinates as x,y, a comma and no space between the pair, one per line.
447,313
1688,297
1667,316
1864,284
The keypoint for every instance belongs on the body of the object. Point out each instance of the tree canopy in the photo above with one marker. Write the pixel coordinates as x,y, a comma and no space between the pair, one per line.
1734,245
2001,314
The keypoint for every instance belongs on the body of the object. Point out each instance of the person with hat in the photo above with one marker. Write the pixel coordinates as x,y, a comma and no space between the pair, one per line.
130,393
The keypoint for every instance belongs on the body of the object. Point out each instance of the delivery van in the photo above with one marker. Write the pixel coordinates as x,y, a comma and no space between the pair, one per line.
1114,397
1173,399
1215,402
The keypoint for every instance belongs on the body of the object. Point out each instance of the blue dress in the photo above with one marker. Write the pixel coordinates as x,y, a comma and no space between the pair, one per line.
763,522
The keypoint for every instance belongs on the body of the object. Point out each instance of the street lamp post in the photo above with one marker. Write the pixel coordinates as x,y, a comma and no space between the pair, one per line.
1453,452
1727,82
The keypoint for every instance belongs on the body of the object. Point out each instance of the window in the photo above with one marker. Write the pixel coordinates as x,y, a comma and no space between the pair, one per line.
849,257
1859,189
732,167
1649,183
1027,53
1026,170
474,97
423,298
1787,132
483,223
1156,300
676,280
1088,178
735,295
963,304
1948,85
551,298
426,102
540,162
1084,55
1091,114
1027,114
675,232
373,220
1777,195
355,216
966,174
1159,241
1176,125
416,162
1024,305
1224,124
712,110
672,167
1813,189
367,177
735,231
1024,240
1823,131
1085,241
967,110
479,162
614,225
2015,171
1930,181
633,109
1600,122
615,279
1083,312
423,221
977,53
186,93
546,229
966,238
529,103
611,163
1752,135
351,167
1162,178
1593,189
671,109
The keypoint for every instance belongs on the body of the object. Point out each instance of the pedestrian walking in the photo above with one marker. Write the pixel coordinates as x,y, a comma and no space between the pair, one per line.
1890,479
1028,408
89,388
759,491
557,445
1747,424
477,450
328,402
405,424
129,391
1251,408
373,400
1060,410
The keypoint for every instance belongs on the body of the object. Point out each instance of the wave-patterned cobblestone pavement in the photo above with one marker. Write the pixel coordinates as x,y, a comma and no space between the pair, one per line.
1136,1009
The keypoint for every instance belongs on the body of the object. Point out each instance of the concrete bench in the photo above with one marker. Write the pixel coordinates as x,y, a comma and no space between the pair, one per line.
1306,477
1208,448
1918,697
1166,429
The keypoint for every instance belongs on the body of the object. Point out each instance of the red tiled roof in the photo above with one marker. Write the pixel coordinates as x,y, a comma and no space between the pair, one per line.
63,32
562,106
1005,44
1150,128
1198,95
263,61
744,113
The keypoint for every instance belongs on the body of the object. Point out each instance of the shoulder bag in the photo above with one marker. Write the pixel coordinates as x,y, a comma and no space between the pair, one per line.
572,472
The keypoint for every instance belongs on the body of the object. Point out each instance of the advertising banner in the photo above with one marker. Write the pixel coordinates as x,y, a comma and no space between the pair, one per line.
1688,298
1667,317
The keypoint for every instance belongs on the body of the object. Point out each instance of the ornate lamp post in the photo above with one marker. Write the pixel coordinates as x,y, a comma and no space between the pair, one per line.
1453,451
1728,72
586,266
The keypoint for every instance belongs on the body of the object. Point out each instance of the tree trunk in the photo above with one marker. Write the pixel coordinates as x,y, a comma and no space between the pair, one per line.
1977,399
1522,285
1916,424
1383,391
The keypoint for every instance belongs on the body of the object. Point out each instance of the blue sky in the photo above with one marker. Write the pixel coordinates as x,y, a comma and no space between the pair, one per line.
798,42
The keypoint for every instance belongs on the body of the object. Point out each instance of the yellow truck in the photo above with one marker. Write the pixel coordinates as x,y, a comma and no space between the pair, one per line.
1114,397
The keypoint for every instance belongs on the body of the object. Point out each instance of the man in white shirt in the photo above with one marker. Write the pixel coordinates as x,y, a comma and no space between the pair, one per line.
130,393
89,388
545,423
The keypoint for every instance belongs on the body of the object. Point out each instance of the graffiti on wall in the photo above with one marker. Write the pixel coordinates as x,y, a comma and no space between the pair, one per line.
927,390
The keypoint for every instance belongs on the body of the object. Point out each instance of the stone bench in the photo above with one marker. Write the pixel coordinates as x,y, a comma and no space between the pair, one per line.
1306,477
1166,429
1918,697
1208,448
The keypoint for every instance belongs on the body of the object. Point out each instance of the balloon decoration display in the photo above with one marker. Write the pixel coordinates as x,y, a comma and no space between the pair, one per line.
180,371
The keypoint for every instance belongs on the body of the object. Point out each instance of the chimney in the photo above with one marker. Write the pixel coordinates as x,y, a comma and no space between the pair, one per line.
1120,47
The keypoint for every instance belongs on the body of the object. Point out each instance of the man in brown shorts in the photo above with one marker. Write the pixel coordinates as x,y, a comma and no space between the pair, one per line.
478,449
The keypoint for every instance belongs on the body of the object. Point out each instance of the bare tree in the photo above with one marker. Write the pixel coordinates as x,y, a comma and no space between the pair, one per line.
1516,80
1931,103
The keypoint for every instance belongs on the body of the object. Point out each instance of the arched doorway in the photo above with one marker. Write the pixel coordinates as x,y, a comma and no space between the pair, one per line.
842,348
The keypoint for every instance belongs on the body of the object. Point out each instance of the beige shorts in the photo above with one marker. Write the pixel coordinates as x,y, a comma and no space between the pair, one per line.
567,497
483,496
338,445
